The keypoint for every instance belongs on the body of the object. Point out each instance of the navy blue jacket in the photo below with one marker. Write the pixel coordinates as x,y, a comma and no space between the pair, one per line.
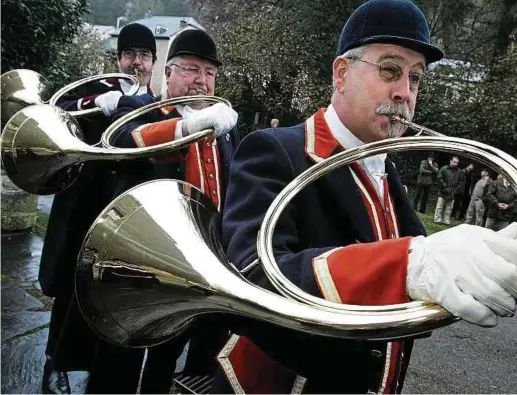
327,214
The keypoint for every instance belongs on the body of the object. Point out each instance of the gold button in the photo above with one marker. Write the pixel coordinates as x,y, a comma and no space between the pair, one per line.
214,193
207,144
209,160
211,176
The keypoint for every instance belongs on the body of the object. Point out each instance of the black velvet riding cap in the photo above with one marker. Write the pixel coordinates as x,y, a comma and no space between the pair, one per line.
194,42
135,35
399,22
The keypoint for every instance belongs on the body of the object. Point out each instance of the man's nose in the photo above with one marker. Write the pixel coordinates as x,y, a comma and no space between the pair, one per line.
201,78
401,90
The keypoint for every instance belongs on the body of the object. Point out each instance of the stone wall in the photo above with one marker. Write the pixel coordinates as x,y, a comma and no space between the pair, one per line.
19,208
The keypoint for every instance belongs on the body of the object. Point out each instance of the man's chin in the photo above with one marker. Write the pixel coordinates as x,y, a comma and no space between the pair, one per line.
390,129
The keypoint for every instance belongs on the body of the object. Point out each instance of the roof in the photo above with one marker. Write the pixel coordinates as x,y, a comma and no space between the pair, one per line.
163,26
102,31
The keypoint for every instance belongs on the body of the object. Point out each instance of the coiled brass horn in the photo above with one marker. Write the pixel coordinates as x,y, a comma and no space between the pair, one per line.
152,262
42,146
22,88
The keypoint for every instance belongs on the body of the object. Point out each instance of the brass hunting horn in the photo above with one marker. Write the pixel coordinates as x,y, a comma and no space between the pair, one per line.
42,145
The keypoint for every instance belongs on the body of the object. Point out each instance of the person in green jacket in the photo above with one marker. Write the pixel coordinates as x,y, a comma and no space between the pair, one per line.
428,168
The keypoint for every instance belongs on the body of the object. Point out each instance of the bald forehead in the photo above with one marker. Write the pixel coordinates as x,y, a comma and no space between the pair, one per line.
383,52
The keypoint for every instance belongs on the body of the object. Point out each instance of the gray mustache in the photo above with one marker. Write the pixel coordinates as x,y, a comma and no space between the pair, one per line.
394,109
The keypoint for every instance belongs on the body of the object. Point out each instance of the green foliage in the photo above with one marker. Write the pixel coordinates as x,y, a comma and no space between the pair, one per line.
278,56
88,47
36,33
482,110
40,227
106,12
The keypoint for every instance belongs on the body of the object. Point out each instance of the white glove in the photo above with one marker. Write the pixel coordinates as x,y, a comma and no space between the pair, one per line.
469,270
219,116
108,102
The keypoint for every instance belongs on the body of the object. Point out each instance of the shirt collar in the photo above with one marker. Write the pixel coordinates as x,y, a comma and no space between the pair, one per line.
340,132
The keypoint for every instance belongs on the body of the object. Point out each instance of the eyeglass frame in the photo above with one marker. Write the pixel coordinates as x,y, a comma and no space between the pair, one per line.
423,76
145,55
197,70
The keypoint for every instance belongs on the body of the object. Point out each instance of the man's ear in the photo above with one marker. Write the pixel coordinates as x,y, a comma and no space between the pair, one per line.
168,71
340,69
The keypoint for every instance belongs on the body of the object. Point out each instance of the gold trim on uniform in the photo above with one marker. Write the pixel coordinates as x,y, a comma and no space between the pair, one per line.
311,139
324,278
222,357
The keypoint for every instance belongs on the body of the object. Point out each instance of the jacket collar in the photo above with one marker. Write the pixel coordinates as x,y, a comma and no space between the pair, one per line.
319,141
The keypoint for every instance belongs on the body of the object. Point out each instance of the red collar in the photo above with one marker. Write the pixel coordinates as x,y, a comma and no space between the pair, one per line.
319,141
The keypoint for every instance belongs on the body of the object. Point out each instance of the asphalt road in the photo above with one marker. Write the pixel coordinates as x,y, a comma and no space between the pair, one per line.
464,358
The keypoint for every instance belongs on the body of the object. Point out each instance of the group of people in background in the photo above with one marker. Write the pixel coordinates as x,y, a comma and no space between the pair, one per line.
465,194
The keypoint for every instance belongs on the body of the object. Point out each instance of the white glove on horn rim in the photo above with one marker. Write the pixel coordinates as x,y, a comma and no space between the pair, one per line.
108,102
469,270
219,116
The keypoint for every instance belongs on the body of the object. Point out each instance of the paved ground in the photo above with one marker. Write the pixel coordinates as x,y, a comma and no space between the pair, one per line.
25,317
463,358
458,359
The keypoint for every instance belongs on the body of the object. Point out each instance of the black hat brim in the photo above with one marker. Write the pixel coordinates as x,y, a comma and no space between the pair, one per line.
430,52
197,55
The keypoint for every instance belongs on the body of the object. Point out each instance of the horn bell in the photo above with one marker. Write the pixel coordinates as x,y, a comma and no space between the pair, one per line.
42,149
137,281
22,88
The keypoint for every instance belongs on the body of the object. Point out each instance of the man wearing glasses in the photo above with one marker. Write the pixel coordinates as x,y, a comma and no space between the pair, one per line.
190,70
352,236
71,343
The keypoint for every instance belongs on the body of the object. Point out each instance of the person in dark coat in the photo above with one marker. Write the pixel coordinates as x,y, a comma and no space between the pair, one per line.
428,168
352,236
70,344
502,201
476,208
190,69
449,182
463,193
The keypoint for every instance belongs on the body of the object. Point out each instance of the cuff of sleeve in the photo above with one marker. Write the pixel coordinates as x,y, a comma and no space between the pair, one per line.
364,274
159,132
415,259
